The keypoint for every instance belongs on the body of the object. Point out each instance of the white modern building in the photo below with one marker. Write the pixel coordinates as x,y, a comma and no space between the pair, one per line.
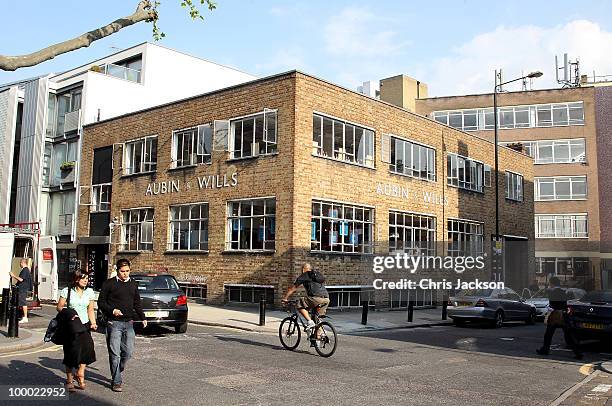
41,121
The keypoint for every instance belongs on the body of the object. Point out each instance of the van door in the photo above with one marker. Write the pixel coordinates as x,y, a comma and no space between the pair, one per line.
48,288
6,255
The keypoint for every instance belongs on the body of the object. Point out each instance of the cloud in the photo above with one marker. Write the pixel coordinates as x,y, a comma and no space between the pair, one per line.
357,32
518,50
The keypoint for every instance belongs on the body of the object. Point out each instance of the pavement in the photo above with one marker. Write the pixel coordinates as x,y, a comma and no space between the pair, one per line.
242,318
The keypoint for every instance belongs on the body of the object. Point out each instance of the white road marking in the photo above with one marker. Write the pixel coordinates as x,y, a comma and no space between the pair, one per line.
601,388
12,354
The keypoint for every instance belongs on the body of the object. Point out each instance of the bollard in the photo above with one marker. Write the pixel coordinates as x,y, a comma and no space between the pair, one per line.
444,305
410,310
13,323
364,311
262,310
5,307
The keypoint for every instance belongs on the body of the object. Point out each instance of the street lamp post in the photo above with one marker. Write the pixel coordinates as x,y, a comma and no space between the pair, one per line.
535,74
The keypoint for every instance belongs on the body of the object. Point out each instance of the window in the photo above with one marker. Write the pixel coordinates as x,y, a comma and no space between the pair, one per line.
465,238
46,170
349,296
129,69
64,103
254,135
465,173
251,225
101,197
412,159
249,293
137,229
195,291
487,175
569,266
554,151
61,212
514,186
341,227
188,227
414,234
525,116
561,226
192,146
336,139
561,188
140,156
64,152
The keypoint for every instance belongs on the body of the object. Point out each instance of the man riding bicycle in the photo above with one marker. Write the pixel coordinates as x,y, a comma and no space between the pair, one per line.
316,294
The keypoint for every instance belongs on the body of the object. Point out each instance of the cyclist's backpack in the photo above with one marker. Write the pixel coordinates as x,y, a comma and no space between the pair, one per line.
317,276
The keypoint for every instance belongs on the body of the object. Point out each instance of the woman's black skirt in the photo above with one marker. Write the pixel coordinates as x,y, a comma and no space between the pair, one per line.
80,350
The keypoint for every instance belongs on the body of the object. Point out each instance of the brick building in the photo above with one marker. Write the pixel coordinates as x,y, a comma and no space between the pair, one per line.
231,191
567,132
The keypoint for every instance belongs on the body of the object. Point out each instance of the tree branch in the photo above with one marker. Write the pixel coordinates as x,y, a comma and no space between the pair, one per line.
144,12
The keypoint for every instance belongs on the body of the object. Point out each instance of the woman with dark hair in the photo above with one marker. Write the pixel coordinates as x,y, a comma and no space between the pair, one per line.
79,349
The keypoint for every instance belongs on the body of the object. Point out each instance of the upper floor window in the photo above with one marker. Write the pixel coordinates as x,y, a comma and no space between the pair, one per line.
555,151
412,159
251,224
137,229
561,188
101,197
140,156
337,139
514,186
561,226
63,162
192,146
341,227
129,69
63,112
253,135
465,173
525,116
189,227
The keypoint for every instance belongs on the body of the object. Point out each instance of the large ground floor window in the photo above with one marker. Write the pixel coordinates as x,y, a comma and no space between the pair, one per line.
414,234
251,224
465,238
341,227
195,291
137,229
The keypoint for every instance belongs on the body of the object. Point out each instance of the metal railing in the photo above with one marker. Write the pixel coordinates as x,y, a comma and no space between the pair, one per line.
121,72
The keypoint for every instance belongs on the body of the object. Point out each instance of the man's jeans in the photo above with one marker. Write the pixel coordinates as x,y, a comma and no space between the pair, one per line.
120,342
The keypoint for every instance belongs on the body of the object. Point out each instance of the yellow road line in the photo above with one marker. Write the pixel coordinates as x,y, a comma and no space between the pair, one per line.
12,354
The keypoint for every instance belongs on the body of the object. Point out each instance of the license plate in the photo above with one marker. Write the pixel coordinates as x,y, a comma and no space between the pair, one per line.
593,326
468,304
156,314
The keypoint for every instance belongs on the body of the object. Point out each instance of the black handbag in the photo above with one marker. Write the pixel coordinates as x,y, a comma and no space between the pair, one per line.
65,325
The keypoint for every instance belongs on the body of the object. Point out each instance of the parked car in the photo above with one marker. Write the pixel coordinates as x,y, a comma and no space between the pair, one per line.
591,316
163,301
540,299
491,305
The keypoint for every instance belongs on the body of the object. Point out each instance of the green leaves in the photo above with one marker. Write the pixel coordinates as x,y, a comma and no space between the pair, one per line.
193,9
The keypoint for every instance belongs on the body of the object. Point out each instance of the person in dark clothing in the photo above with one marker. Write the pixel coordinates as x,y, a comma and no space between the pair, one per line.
24,285
557,298
316,294
119,301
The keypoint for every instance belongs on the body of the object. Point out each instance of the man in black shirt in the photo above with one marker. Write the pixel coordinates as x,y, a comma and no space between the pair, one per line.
557,299
119,300
316,294
24,285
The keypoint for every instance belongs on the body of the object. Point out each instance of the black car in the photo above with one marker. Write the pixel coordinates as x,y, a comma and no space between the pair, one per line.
591,316
163,301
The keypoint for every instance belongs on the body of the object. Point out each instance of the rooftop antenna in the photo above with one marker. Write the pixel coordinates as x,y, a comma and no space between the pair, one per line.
571,72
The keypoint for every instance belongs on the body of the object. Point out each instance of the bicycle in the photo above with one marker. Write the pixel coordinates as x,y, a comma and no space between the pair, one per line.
322,337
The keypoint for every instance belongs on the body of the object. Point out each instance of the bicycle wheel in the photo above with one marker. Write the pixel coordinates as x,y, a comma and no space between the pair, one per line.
327,341
289,333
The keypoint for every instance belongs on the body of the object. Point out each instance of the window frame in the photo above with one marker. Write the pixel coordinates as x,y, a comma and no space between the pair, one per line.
515,186
143,141
171,243
454,226
266,218
270,147
430,168
430,232
573,218
458,161
193,147
128,226
557,179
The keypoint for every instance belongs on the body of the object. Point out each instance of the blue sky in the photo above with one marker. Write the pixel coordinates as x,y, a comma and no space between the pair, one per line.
453,46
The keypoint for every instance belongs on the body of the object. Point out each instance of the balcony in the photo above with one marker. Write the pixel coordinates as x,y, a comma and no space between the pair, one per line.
121,72
64,224
72,121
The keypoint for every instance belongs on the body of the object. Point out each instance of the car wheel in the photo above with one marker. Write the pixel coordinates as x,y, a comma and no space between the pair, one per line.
499,319
531,319
459,323
181,328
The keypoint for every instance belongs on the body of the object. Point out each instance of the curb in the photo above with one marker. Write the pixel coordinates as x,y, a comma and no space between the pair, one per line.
360,330
606,367
34,341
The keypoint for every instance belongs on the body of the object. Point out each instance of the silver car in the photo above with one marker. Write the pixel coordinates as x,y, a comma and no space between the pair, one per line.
540,299
493,305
